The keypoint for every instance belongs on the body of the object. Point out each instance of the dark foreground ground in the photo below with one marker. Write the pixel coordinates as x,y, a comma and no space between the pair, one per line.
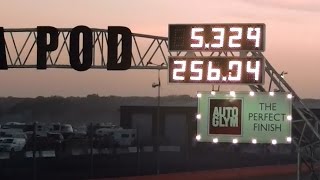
132,164
244,173
276,177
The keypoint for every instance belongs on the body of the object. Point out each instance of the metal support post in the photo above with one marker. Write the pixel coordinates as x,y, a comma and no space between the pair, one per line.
298,163
158,124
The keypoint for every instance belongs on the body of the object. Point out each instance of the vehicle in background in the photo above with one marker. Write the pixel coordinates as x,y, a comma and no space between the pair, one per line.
10,132
41,130
10,127
79,134
14,134
13,125
122,137
65,129
125,137
55,138
12,144
13,130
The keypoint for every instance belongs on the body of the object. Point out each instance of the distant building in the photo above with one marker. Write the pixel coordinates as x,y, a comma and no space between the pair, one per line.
177,124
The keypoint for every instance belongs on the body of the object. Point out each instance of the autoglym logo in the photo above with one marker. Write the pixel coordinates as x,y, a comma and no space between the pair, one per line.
225,116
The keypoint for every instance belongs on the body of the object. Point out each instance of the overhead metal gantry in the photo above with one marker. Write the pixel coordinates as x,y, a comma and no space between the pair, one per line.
151,52
21,49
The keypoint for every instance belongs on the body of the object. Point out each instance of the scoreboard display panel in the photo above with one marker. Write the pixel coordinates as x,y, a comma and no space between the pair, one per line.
217,37
216,70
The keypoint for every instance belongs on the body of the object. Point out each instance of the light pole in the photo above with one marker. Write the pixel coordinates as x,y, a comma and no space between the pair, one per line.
154,85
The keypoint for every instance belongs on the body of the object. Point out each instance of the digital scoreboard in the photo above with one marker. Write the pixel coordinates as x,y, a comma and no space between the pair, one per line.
216,70
217,37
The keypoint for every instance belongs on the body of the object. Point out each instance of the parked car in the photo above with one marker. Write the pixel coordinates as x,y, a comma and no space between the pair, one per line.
79,135
41,130
122,137
13,134
11,128
125,137
12,144
65,129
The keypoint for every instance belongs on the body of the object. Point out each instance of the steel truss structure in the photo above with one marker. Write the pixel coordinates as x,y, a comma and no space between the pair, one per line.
151,52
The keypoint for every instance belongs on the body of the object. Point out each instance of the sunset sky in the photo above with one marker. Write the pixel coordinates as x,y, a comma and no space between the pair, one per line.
292,41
